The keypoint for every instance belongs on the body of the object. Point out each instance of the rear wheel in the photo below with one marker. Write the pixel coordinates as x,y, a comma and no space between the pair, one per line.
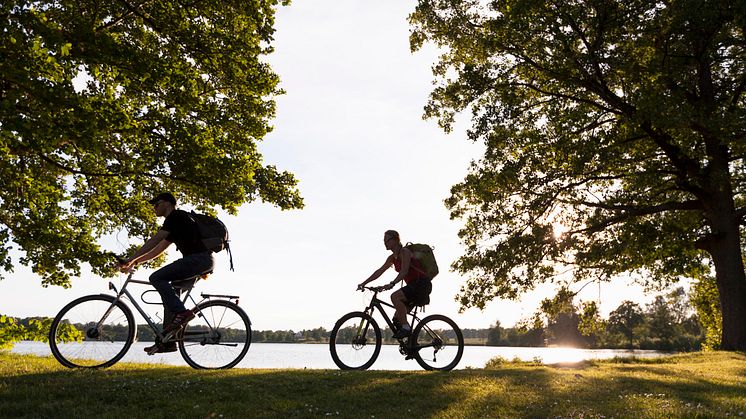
217,338
437,343
355,341
92,332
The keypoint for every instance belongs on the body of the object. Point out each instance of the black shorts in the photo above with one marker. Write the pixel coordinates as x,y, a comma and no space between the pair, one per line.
418,292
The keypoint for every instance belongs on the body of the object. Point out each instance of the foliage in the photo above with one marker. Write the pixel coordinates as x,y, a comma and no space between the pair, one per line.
704,298
562,320
500,362
591,324
12,330
103,104
614,136
529,332
495,334
626,319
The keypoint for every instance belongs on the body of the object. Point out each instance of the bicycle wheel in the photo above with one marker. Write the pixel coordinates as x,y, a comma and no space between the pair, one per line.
217,338
438,343
355,341
92,332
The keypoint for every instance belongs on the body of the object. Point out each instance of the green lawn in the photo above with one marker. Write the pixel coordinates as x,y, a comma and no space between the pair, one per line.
693,385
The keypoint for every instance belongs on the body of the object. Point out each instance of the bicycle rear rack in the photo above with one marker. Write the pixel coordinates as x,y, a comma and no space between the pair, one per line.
230,297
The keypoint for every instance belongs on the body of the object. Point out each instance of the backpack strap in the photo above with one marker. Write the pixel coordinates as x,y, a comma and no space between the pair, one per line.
230,255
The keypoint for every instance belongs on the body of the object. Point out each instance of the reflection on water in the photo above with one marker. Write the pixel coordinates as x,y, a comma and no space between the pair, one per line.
316,356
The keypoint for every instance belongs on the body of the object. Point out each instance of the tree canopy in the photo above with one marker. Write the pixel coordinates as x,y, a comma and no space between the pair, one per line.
103,104
615,141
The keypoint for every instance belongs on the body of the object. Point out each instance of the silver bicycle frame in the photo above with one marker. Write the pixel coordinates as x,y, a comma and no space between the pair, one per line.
151,323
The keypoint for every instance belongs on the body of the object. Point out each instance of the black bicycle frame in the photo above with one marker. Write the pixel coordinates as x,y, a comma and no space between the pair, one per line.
376,303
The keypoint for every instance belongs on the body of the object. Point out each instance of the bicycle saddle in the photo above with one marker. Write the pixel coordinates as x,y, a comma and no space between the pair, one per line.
422,303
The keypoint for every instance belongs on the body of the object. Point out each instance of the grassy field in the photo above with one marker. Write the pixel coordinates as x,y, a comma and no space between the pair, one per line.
693,385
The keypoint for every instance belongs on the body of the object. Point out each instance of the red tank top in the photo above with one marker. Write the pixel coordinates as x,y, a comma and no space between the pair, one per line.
415,270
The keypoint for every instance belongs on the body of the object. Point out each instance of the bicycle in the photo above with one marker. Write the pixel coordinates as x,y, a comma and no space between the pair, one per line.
355,341
96,331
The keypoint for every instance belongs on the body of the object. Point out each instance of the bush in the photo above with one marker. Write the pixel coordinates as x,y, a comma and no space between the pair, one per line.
12,331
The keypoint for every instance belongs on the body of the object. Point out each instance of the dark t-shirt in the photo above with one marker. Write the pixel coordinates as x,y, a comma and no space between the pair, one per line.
183,232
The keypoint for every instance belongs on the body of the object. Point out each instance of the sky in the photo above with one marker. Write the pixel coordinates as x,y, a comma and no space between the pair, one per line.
350,128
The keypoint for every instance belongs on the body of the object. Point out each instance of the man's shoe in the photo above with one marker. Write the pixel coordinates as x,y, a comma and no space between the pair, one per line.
159,348
402,333
180,320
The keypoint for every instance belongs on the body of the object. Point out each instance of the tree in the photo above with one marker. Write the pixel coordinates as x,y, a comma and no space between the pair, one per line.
530,332
661,319
494,334
102,104
591,324
614,136
705,301
561,319
625,319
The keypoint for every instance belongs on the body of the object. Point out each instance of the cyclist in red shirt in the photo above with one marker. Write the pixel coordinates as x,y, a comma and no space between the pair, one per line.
418,284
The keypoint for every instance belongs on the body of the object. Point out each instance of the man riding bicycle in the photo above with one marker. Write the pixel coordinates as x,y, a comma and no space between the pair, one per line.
178,227
418,283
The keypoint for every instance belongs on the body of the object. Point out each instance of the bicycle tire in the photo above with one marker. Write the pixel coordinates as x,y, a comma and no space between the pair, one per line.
218,338
349,349
98,347
430,337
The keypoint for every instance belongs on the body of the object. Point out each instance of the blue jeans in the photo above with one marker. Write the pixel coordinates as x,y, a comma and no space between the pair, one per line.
188,266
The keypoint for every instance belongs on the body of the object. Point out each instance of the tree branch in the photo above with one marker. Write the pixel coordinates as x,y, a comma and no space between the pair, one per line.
737,95
631,211
147,19
687,168
741,214
570,97
109,174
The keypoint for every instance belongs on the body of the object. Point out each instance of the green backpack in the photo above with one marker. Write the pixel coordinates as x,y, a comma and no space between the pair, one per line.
424,254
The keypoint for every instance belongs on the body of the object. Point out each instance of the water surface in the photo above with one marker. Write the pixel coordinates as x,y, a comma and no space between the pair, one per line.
316,356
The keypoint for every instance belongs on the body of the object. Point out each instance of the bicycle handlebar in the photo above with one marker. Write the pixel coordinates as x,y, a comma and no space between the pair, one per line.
374,289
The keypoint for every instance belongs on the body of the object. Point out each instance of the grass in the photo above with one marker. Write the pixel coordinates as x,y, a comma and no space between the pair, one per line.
692,385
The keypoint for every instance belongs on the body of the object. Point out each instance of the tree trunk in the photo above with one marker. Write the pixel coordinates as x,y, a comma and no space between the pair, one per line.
724,246
725,249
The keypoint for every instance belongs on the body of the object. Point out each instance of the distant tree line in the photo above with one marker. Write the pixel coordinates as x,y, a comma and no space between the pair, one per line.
667,323
673,321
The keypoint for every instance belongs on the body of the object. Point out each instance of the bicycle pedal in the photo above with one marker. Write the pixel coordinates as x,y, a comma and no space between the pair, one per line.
153,350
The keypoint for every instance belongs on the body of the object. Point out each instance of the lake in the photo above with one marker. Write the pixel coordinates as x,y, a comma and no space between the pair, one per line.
316,356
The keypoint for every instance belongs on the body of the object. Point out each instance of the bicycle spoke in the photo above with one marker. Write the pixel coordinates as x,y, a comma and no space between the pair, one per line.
439,343
355,341
90,332
218,337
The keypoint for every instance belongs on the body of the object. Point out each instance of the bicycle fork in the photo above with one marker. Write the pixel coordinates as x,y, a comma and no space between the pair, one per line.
362,328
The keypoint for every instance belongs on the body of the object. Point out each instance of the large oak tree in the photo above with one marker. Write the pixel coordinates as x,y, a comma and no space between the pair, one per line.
615,136
103,103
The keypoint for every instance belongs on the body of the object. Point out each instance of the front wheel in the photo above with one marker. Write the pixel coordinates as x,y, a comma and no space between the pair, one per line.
355,341
217,338
92,332
438,343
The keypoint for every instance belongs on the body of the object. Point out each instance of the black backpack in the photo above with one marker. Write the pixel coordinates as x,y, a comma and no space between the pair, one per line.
213,233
